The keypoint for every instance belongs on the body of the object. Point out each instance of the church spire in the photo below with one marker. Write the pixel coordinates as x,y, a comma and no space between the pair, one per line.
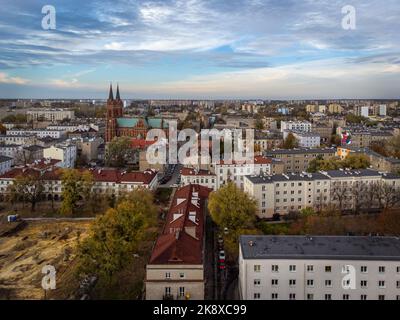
117,96
111,95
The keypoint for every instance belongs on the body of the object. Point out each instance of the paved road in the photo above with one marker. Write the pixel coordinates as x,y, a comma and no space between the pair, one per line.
174,177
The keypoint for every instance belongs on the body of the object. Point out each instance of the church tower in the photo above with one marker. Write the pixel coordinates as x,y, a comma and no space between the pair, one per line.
114,111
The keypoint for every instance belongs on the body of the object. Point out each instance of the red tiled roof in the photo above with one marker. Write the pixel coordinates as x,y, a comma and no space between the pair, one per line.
192,172
181,241
141,143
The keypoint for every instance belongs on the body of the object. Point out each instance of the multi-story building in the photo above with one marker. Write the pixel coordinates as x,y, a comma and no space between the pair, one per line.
105,181
301,126
50,114
176,267
236,171
40,133
201,177
13,151
26,140
324,130
5,164
298,160
305,139
335,108
268,141
319,268
377,161
65,152
346,190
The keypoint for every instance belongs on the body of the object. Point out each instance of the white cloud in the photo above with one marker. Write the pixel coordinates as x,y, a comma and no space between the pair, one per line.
5,78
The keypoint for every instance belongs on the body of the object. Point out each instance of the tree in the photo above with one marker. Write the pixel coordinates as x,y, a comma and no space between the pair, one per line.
233,209
355,161
28,188
290,142
118,151
116,236
259,124
72,187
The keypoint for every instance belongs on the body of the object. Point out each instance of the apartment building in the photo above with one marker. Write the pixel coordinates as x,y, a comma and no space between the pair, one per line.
268,141
335,108
50,114
324,130
13,151
64,152
26,140
105,181
302,126
40,133
346,190
5,164
298,160
236,171
202,177
305,139
319,268
377,161
176,267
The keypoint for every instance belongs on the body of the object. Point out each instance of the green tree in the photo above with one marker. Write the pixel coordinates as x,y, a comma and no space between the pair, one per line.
233,209
118,151
116,236
290,142
356,161
259,124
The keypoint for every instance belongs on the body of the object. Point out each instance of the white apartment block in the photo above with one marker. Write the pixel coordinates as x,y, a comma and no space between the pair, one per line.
202,177
302,126
319,268
305,139
236,172
5,164
40,133
13,151
343,189
48,114
70,127
66,153
26,140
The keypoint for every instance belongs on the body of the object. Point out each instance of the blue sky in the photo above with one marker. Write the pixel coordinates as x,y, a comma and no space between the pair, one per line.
206,49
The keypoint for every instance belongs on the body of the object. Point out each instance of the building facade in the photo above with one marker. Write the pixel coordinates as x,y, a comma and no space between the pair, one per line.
319,268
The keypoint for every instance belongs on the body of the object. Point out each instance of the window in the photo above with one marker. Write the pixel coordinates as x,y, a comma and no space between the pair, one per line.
398,284
292,268
292,282
168,275
310,268
381,297
257,282
257,296
181,275
328,269
328,297
275,268
274,296
167,291
363,297
364,283
364,269
257,268
381,284
346,297
181,291
310,283
398,269
292,296
381,269
328,283
274,282
310,296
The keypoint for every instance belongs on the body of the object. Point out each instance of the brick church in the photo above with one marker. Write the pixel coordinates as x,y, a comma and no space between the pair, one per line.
119,126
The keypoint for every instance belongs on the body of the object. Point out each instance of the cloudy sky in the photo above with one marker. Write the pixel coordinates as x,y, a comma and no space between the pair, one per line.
272,49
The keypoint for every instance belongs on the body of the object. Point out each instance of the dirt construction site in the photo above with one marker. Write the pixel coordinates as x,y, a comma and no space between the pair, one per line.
27,246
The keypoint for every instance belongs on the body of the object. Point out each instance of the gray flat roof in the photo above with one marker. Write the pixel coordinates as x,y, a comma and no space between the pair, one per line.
320,247
300,151
287,177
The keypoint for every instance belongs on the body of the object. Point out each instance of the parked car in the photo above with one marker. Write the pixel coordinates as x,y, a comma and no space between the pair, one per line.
221,256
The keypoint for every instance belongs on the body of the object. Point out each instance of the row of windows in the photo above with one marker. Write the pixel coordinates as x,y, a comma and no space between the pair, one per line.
328,283
310,268
328,296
